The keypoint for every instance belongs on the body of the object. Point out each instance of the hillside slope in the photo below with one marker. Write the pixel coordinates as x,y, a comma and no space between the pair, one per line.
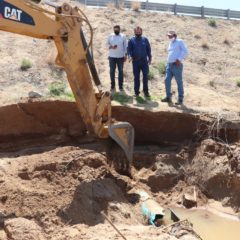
210,74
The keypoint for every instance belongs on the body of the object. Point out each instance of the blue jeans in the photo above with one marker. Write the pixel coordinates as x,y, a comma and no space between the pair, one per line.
173,70
113,63
138,66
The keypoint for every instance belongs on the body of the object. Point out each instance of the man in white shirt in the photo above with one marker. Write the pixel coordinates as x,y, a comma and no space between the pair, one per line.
117,45
177,51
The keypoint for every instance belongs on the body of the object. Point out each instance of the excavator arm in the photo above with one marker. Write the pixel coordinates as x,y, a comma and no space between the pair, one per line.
64,27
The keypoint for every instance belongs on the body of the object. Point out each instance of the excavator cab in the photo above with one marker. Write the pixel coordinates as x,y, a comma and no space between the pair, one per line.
64,27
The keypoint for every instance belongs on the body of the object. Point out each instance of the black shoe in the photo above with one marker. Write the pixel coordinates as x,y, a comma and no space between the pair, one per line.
136,94
147,95
179,103
167,100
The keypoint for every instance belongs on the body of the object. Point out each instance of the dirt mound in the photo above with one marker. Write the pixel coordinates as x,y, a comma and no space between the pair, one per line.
57,184
215,167
159,168
63,186
61,194
23,229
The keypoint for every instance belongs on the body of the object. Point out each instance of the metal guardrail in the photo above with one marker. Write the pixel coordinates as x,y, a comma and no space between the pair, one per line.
174,8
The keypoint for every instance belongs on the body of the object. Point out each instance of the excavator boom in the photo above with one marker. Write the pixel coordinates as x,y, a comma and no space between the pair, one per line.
64,27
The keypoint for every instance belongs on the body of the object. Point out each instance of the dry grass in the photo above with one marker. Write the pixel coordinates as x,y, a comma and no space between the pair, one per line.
212,22
136,6
212,83
205,45
110,5
197,36
227,41
50,57
119,5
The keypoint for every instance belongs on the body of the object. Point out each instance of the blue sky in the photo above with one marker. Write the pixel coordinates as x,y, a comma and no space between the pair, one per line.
222,4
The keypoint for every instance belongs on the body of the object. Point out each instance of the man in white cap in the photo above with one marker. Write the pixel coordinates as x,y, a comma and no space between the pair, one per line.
177,51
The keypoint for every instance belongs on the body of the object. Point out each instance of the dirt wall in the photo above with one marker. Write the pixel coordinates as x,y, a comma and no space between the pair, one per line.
41,119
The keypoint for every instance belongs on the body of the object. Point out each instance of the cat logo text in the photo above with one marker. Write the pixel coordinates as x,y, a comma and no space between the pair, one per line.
12,13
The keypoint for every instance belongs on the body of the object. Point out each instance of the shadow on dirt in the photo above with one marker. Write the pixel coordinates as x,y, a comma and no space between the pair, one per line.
91,199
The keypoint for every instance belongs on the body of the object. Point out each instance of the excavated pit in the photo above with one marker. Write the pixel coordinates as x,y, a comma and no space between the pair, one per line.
56,183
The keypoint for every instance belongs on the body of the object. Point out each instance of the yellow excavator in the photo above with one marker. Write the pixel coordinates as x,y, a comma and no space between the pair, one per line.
64,25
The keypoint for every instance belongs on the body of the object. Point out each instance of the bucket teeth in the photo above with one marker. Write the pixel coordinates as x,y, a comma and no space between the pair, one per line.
123,134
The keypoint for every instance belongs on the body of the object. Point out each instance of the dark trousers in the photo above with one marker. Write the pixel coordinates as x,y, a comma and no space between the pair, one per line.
138,66
113,63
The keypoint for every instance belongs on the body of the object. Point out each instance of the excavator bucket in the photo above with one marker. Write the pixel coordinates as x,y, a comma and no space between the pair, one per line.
123,134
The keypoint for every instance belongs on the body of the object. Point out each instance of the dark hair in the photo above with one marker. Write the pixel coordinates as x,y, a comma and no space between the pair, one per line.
117,26
137,28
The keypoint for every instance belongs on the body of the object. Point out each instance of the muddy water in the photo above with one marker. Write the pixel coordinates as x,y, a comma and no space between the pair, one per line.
210,226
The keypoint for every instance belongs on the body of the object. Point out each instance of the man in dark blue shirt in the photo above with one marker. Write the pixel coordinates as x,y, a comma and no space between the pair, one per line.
139,52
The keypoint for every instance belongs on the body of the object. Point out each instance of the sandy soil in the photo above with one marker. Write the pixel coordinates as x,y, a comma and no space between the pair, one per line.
55,185
61,193
210,74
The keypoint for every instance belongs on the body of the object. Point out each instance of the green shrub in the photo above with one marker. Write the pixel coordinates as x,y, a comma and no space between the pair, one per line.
140,100
57,88
212,22
121,98
161,68
69,95
151,74
25,64
238,82
155,98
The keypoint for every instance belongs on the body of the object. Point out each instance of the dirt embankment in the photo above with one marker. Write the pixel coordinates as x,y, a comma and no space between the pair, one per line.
43,119
55,184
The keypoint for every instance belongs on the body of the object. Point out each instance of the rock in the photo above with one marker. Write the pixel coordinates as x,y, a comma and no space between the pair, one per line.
190,199
225,201
3,199
34,95
166,176
23,229
24,175
164,173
